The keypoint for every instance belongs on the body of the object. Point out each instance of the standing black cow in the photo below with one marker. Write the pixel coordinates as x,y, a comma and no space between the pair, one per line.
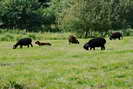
116,35
23,42
96,42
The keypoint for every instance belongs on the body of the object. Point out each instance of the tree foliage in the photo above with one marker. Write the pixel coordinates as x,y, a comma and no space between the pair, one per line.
85,17
88,16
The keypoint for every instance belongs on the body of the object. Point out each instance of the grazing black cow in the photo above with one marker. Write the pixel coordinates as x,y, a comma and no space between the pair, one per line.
3,26
96,42
72,39
42,43
116,35
23,42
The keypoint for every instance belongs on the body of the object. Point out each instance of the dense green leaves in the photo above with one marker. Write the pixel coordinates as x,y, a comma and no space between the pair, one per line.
23,14
88,16
85,17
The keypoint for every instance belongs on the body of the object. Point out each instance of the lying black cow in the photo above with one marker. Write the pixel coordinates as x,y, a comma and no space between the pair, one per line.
43,43
72,39
96,42
116,35
23,42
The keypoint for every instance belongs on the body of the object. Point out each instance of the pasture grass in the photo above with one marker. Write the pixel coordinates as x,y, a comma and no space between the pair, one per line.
64,66
14,35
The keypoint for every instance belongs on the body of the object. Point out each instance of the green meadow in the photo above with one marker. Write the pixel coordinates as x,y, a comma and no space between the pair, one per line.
64,66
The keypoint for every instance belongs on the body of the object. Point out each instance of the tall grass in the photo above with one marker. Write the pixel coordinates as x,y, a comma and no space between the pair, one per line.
13,35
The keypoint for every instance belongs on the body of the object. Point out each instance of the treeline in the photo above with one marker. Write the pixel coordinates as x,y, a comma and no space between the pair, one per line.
85,17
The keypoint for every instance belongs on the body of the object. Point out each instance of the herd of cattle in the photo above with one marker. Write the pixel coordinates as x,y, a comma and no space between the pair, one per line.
91,44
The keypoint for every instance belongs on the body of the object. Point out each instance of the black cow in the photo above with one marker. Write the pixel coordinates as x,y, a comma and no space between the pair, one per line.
96,42
72,39
23,42
3,26
116,35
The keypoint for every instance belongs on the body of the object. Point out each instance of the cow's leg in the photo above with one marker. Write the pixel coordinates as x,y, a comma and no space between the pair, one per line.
21,46
93,48
119,38
90,48
103,47
28,46
31,45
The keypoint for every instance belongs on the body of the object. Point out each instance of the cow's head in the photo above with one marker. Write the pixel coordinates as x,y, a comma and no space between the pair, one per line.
86,46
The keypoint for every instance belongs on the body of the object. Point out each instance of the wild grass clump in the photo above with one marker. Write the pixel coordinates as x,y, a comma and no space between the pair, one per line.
128,32
12,85
7,37
31,35
16,31
55,36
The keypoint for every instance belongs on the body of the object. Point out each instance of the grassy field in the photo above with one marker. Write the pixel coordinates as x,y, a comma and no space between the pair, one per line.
64,66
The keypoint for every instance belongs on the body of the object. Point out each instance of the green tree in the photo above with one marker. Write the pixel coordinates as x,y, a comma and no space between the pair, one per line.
23,14
87,17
